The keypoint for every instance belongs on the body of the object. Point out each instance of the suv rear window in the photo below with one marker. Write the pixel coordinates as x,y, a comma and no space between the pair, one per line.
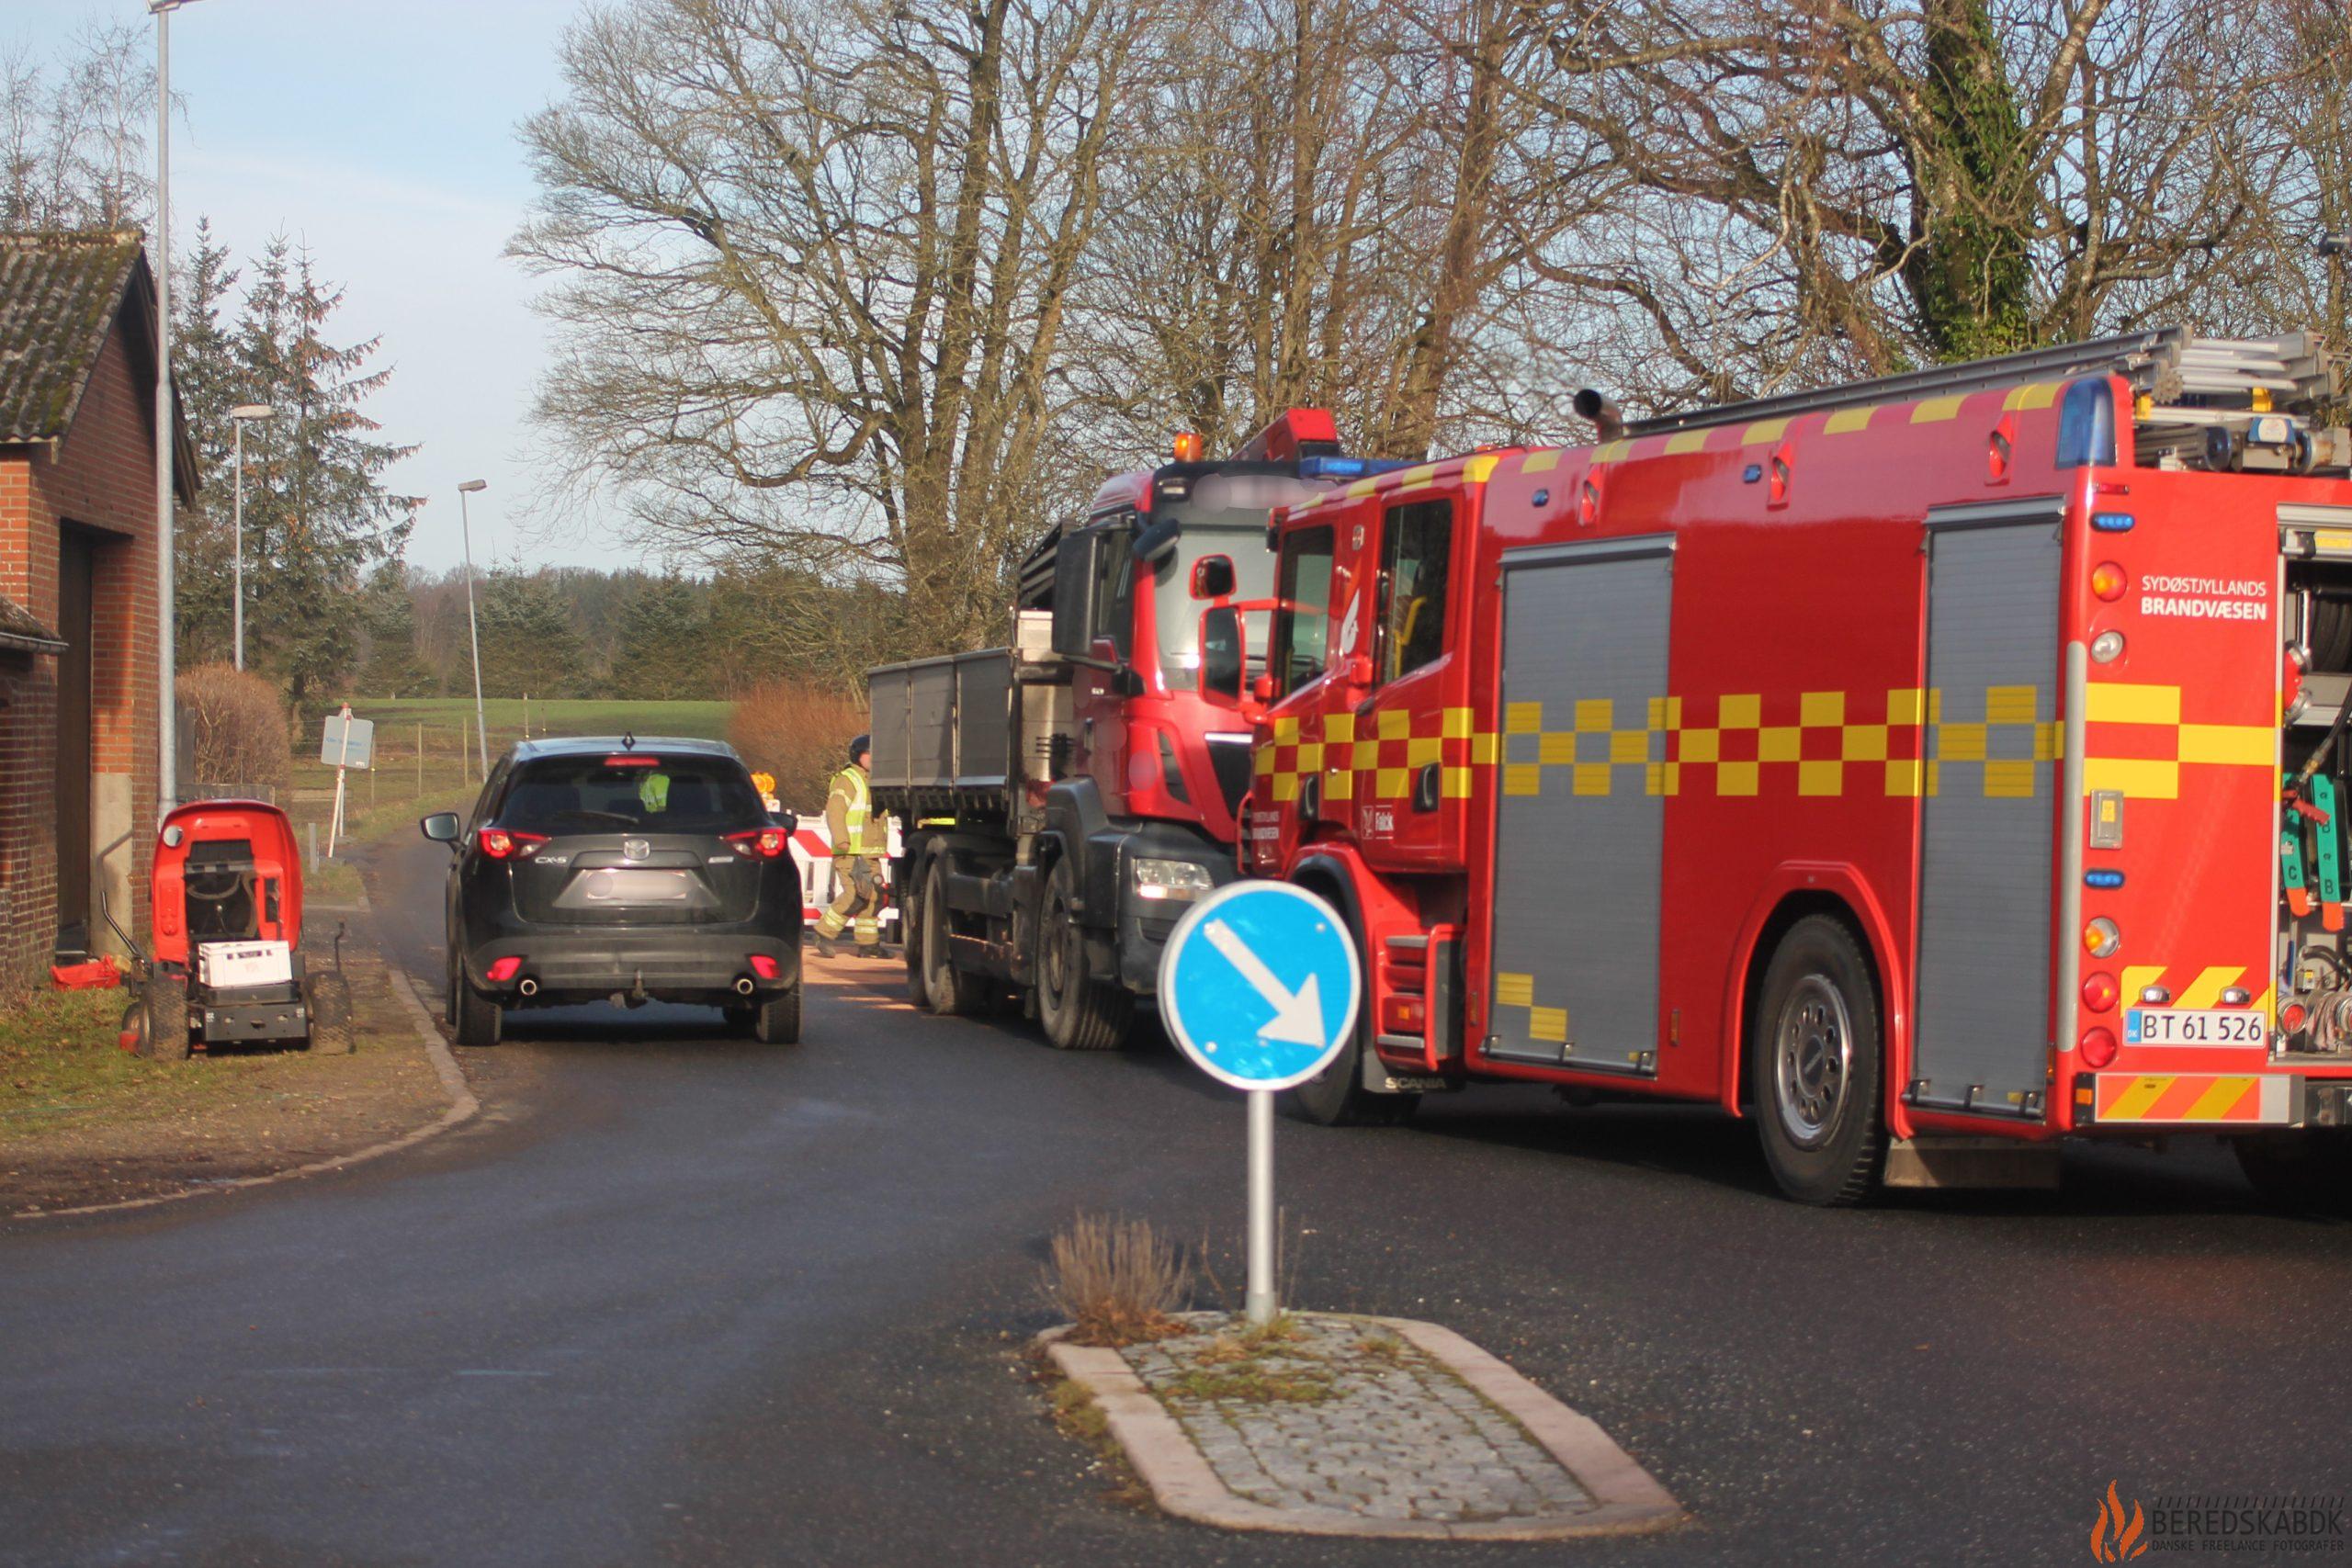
653,794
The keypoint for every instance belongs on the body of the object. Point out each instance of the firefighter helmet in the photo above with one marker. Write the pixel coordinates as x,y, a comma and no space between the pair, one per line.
860,747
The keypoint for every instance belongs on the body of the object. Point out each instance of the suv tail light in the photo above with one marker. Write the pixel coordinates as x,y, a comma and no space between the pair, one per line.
761,843
499,843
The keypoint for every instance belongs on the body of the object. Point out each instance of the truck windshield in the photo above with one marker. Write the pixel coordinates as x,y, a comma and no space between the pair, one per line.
1225,516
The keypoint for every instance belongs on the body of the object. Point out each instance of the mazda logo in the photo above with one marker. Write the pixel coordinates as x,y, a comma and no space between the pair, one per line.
636,848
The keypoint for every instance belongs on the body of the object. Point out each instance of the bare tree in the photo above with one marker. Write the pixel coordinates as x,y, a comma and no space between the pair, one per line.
1852,185
73,135
1326,202
813,265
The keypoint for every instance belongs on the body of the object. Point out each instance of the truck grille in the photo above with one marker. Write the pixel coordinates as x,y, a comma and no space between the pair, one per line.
1231,755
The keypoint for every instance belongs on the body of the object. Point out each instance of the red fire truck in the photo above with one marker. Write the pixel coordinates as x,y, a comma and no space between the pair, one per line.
1931,768
1065,798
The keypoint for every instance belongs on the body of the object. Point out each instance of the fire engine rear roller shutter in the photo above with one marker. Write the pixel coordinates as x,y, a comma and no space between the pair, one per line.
1580,823
1988,818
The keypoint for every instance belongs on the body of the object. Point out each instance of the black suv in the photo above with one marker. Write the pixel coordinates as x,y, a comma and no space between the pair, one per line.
638,870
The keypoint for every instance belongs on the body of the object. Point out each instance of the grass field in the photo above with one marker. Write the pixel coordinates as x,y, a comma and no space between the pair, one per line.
592,717
404,786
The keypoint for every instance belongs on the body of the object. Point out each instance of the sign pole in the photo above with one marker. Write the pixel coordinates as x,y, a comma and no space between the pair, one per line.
1259,986
1259,1302
343,761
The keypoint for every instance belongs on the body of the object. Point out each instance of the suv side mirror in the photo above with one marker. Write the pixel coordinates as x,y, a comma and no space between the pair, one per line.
1074,596
1212,577
443,828
1225,651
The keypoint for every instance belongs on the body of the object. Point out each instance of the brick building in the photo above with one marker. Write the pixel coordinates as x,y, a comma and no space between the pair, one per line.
78,626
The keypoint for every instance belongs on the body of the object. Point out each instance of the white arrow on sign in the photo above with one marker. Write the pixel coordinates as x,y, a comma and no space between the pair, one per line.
1298,1019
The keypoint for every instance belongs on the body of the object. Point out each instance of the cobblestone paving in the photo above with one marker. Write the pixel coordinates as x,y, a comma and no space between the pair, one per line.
1347,1416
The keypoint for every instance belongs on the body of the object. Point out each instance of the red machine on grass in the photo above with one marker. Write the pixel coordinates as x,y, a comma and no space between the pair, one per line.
226,907
1900,765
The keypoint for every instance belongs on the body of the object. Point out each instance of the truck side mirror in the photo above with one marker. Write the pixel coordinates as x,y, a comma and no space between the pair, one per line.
1212,577
1074,596
1262,688
1224,652
442,828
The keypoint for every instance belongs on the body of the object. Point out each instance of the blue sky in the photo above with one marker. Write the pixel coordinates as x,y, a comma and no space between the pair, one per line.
383,136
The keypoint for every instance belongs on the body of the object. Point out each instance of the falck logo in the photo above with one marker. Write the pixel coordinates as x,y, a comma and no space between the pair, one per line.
2115,1537
636,848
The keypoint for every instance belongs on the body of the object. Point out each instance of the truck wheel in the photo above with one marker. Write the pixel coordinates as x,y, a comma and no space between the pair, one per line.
911,915
945,988
2303,1171
779,1020
166,1003
1813,1065
1336,1095
1079,1013
474,1019
334,1030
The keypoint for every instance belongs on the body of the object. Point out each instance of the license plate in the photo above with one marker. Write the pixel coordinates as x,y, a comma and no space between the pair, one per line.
2189,1026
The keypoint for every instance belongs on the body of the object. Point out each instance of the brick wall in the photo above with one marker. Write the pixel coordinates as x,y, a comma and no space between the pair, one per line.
100,478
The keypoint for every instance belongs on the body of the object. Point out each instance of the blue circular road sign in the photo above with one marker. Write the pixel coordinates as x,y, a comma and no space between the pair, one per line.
1260,985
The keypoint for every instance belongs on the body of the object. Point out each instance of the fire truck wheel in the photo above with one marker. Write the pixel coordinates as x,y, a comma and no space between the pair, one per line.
946,990
333,1030
1814,1066
166,1004
1079,1013
2307,1172
1336,1095
779,1020
474,1019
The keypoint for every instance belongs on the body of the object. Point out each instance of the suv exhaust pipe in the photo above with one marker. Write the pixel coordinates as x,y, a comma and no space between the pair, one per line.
529,987
743,987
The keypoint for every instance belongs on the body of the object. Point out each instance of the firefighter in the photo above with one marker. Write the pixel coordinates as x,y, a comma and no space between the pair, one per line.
859,838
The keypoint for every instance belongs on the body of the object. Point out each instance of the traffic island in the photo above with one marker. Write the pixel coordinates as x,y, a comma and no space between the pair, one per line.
1326,1424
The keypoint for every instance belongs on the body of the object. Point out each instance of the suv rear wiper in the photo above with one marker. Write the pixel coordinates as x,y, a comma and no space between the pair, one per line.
584,813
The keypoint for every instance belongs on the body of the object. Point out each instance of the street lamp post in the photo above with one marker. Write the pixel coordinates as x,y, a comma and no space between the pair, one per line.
473,631
167,708
242,415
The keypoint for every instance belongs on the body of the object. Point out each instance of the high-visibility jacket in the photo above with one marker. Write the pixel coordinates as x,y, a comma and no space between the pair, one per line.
850,821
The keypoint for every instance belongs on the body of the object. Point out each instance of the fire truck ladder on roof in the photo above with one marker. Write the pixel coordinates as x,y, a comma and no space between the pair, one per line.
2184,390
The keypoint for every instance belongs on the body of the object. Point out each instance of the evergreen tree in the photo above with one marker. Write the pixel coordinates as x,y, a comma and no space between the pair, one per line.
662,651
528,645
392,668
317,513
205,364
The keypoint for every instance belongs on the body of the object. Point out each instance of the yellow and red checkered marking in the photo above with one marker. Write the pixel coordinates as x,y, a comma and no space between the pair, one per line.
1900,741
2234,1099
2139,743
1374,757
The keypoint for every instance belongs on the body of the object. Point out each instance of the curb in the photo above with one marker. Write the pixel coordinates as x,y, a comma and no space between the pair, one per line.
463,1107
1627,1499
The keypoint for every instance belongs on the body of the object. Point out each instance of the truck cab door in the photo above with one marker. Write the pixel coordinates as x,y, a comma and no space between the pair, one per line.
1287,779
1411,756
1100,690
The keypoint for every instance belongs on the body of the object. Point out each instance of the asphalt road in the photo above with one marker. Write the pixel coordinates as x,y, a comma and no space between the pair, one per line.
679,1297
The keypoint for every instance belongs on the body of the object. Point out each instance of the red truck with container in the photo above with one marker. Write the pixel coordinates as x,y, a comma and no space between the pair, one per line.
1065,799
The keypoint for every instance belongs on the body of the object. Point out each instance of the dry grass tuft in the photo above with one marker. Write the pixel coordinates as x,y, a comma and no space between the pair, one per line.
1117,1280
